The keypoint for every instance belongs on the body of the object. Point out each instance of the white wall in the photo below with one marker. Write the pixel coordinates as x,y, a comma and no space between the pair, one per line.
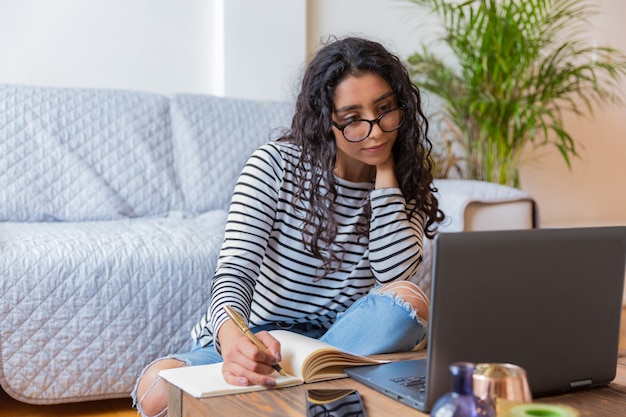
264,47
257,48
153,45
166,46
395,23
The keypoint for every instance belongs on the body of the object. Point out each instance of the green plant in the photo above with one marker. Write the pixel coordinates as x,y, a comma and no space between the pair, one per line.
519,66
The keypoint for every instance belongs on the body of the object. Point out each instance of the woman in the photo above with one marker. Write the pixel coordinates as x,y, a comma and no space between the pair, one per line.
325,226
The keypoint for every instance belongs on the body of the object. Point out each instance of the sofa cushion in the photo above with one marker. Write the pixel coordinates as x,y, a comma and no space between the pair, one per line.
84,154
86,305
213,138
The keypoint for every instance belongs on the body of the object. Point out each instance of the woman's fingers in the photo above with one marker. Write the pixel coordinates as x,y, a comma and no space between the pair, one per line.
236,374
246,364
272,345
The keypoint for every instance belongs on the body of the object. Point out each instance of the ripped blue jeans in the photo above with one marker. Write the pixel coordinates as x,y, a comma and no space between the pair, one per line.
376,323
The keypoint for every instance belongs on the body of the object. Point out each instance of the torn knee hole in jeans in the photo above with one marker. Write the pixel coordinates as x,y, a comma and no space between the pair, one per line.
137,404
415,292
138,401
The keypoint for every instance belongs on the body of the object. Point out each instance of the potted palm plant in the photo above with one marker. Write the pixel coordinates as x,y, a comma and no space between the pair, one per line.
518,66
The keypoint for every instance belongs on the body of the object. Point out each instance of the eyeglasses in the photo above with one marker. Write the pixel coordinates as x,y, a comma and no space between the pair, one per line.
359,130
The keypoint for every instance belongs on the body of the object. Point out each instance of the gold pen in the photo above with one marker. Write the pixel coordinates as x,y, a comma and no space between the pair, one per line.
234,316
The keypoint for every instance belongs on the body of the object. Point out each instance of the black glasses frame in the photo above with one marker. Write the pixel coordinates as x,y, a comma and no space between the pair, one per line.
371,122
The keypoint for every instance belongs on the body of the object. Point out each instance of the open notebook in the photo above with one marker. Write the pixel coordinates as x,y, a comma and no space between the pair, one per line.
304,360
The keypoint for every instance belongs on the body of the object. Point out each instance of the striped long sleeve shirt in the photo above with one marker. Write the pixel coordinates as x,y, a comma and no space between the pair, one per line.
264,269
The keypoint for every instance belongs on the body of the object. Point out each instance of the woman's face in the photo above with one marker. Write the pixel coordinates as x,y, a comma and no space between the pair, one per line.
364,97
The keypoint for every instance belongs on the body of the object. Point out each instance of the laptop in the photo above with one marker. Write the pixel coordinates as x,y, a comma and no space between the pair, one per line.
548,300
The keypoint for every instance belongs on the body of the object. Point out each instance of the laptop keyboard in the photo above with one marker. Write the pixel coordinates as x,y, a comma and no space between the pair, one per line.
417,383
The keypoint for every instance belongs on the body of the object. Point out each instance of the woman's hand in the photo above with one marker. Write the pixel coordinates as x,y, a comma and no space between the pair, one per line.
244,362
385,174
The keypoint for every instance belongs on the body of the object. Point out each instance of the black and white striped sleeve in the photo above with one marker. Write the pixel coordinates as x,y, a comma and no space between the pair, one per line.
395,239
248,227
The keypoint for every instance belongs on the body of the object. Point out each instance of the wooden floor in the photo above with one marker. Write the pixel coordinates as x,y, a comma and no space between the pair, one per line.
115,408
110,408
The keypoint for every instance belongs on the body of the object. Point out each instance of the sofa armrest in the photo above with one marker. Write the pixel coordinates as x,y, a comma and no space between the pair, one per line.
479,205
517,214
476,205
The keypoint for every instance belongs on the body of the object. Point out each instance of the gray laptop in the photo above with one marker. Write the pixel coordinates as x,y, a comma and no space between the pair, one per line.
549,300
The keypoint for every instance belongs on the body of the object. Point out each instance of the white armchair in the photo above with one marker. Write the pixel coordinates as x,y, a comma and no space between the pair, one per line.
477,205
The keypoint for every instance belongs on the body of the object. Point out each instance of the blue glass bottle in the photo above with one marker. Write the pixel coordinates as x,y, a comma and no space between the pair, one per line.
461,401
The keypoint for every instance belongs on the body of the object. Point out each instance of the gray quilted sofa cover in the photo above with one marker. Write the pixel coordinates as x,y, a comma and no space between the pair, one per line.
112,208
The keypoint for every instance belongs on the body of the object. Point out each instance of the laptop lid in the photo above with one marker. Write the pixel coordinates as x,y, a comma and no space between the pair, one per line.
548,300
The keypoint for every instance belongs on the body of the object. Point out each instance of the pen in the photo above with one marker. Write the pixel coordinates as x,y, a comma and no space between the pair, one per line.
246,331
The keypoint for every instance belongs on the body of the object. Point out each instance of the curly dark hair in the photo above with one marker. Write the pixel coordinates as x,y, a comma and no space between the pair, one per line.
311,130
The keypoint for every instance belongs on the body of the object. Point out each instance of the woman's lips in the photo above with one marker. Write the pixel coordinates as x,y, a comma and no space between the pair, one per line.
376,148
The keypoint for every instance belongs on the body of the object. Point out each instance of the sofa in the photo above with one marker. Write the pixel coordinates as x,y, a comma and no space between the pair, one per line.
112,208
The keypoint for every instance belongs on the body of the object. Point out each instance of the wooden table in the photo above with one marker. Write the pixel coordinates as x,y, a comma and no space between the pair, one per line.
290,402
